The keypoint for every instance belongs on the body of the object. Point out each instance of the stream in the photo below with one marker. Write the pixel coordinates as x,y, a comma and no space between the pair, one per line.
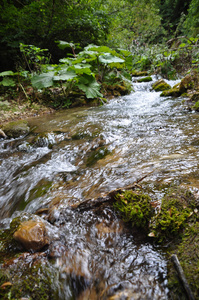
83,153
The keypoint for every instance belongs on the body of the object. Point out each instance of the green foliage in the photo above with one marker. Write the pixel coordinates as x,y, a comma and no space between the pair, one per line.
81,70
171,12
41,23
134,208
191,25
34,57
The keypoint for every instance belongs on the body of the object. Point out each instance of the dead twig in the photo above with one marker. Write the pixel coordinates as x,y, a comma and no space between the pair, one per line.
182,277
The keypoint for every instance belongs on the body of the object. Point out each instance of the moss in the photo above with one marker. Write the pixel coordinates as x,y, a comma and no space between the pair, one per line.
134,208
96,155
139,73
188,255
190,81
145,79
196,106
33,282
176,209
161,85
174,92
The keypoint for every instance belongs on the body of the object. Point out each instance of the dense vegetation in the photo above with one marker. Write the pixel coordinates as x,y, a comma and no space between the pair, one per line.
71,45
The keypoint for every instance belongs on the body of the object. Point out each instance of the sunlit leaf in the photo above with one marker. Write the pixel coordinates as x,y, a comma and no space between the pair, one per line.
42,80
62,45
7,73
108,59
65,76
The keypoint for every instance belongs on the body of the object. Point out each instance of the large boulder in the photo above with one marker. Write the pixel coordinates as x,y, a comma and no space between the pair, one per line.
32,235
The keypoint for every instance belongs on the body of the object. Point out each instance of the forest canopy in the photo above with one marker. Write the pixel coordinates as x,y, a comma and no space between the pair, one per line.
106,22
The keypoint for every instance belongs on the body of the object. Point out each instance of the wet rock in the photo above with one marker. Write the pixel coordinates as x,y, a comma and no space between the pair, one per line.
174,92
32,235
194,97
145,79
139,73
189,82
2,134
16,129
44,140
96,155
160,85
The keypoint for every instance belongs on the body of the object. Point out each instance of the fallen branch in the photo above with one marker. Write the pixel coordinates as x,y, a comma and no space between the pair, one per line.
182,277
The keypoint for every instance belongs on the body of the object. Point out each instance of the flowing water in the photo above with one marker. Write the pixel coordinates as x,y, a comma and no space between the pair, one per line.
83,153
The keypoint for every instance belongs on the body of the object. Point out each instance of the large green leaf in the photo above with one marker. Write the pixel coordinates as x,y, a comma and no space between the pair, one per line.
89,85
108,58
7,82
43,80
67,75
62,45
80,69
7,73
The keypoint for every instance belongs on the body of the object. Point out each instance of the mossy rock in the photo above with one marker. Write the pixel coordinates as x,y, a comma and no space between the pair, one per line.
196,106
29,280
145,79
189,82
174,92
194,97
134,208
176,209
16,129
161,85
139,73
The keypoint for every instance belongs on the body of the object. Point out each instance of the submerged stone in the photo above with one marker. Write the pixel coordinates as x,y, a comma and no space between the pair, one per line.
96,155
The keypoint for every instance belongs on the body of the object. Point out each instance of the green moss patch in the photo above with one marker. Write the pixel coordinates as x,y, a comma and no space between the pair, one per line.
145,79
134,208
174,92
139,73
161,85
188,255
176,210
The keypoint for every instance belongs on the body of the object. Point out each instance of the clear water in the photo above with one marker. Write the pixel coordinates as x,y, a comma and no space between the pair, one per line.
138,134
